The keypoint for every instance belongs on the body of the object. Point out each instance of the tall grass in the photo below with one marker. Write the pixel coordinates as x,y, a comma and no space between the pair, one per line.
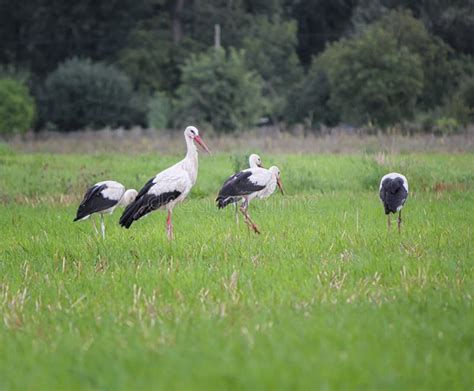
324,298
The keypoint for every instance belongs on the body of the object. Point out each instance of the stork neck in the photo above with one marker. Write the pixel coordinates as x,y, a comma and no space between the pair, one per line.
121,201
191,154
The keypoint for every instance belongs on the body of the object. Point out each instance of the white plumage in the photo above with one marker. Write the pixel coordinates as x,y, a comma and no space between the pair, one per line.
394,175
246,185
393,192
169,187
255,161
272,184
113,191
103,198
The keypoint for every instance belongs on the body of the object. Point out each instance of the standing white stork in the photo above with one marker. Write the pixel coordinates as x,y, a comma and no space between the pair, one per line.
103,198
248,184
393,192
169,187
254,161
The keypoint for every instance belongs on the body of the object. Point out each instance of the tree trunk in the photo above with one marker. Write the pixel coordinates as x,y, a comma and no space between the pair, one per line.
176,27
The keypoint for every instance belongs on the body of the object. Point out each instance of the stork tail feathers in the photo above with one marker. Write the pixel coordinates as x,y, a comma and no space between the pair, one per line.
146,204
128,215
81,214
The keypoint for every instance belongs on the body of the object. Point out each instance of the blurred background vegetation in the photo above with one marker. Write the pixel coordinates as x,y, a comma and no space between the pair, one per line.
161,64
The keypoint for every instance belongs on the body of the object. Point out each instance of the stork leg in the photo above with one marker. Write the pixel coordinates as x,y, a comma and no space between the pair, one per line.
237,212
169,226
399,220
389,223
95,226
248,220
102,225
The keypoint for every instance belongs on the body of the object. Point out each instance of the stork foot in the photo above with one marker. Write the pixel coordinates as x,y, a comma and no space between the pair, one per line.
255,228
248,220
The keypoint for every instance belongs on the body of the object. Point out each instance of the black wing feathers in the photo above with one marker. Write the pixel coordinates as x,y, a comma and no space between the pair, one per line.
145,188
393,194
235,187
146,204
94,202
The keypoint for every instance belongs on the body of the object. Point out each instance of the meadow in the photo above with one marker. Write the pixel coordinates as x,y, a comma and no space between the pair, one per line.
324,298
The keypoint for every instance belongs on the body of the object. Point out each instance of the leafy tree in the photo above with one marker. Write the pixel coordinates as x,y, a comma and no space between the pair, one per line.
148,59
17,107
270,49
309,99
319,23
218,88
372,79
201,17
82,93
461,104
451,20
434,54
367,12
159,111
11,72
37,35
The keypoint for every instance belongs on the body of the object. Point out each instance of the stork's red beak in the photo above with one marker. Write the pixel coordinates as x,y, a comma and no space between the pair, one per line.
280,185
261,165
202,144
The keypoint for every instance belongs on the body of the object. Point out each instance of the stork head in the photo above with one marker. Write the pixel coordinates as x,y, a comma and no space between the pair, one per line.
277,174
255,161
193,133
128,197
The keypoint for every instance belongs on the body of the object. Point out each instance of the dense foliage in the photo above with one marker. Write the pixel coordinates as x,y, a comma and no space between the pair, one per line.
271,50
299,49
217,88
81,93
372,78
17,108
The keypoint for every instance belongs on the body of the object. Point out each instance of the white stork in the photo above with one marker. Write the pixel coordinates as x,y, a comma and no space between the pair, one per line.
393,192
103,198
254,161
248,184
169,187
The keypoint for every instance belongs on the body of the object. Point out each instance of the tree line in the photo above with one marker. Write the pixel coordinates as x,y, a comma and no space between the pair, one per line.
375,63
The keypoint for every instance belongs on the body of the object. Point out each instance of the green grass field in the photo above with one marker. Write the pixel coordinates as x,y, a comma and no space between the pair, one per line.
325,298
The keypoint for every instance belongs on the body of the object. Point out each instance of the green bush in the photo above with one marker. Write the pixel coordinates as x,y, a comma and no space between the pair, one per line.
446,126
217,88
466,92
17,107
309,100
270,49
149,58
159,111
411,33
373,79
385,74
461,104
80,93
